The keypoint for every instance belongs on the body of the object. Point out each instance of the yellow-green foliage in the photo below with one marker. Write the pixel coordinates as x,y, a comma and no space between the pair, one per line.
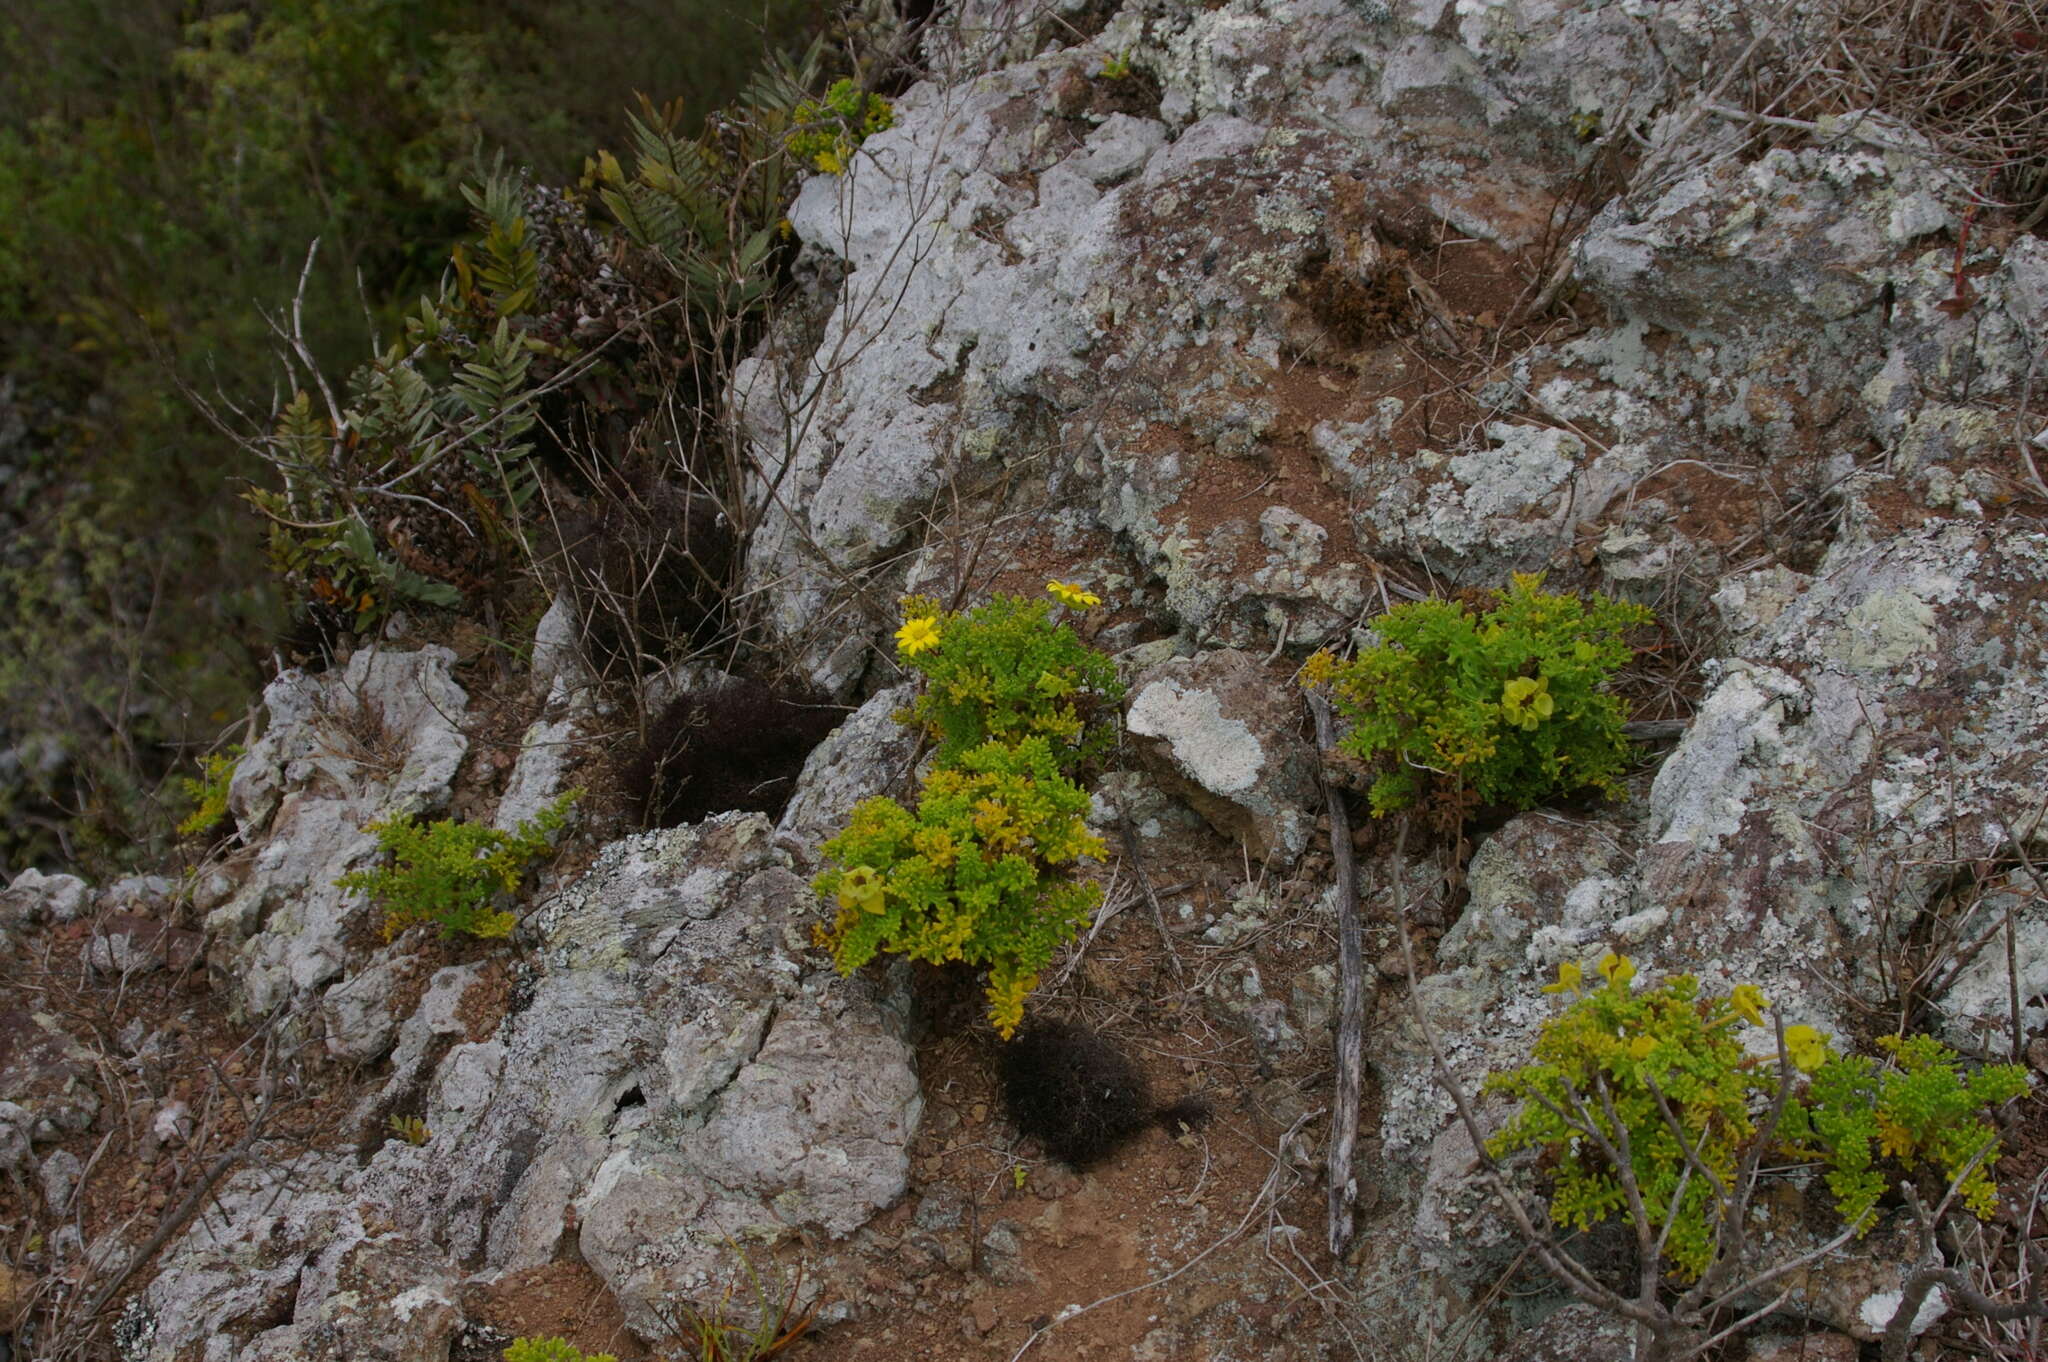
1006,671
1618,1045
551,1350
980,873
1915,1110
449,873
971,876
835,126
1602,1066
412,1129
209,793
1507,705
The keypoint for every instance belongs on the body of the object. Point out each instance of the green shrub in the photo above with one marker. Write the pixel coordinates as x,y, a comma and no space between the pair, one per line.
1860,1113
1507,705
981,872
1663,1071
1006,671
209,793
450,873
551,1350
834,127
971,876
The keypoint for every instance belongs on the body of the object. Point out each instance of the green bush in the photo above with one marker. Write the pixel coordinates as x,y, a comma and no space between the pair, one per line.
450,873
1661,1072
972,876
1860,1114
981,872
1006,671
1507,705
831,129
551,1350
209,792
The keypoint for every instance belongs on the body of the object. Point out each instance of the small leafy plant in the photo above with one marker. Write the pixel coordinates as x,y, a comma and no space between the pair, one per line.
974,875
831,129
1647,1104
1116,66
450,873
756,1316
1507,705
1915,1110
1005,672
551,1350
411,1129
209,791
981,872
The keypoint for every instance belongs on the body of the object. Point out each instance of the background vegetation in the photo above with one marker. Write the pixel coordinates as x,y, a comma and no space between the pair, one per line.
165,164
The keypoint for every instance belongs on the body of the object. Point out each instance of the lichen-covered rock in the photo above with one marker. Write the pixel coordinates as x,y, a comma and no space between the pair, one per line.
869,754
33,898
379,740
1217,730
47,1074
683,1073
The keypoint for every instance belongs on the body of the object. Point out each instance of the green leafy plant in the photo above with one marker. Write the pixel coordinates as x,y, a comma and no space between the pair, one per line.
832,129
1507,705
971,876
981,871
1648,1105
1918,1109
551,1350
209,791
1116,66
450,874
1007,671
411,1129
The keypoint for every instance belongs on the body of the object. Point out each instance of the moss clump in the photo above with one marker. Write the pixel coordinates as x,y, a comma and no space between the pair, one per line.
450,874
1508,705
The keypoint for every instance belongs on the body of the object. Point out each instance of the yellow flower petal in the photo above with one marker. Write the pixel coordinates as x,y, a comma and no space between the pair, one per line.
918,635
1807,1047
1616,969
1072,594
1568,977
1747,1001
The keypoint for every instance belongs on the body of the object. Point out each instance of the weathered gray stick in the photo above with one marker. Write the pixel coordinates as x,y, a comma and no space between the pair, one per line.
1351,1000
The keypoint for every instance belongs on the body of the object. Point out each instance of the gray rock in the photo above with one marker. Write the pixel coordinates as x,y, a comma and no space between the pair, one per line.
1218,731
1575,1333
869,754
540,777
47,1074
33,898
59,1174
362,1023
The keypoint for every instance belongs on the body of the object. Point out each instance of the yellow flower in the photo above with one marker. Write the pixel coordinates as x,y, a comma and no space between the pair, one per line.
1807,1047
1070,594
1894,1141
1568,976
918,635
1526,701
1616,969
1748,1003
1640,1047
861,888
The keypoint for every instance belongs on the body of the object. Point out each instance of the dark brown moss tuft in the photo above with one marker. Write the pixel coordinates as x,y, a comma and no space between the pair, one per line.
736,746
646,569
1078,1095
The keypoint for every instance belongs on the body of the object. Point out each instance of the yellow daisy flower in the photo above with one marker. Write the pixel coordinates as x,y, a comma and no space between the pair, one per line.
918,635
1072,594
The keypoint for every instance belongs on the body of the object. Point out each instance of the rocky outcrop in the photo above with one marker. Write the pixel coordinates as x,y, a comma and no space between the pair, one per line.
1218,731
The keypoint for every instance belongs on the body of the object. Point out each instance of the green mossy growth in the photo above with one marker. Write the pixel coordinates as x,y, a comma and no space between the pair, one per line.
1507,706
450,874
